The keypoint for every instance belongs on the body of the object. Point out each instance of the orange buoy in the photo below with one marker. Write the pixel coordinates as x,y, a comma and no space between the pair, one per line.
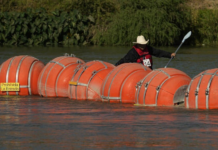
87,80
54,78
24,70
202,91
162,87
120,84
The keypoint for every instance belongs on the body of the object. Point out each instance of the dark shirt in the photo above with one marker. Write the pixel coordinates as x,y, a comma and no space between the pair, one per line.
133,56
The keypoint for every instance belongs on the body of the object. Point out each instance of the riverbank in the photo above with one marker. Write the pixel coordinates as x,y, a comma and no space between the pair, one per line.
164,22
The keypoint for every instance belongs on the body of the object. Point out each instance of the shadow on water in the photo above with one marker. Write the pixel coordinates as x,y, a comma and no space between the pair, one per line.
60,123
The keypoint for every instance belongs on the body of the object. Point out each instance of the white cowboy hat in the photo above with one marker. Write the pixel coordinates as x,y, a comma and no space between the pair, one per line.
141,40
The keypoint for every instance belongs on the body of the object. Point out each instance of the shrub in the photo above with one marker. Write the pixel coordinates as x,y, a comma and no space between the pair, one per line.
160,21
37,26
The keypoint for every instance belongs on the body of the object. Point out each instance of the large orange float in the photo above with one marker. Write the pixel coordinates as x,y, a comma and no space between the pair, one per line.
120,84
54,78
202,92
87,80
24,70
162,87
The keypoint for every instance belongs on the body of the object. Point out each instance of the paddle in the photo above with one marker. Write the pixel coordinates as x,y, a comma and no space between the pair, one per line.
186,36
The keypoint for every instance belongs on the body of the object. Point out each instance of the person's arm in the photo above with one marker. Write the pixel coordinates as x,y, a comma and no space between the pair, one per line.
131,56
158,52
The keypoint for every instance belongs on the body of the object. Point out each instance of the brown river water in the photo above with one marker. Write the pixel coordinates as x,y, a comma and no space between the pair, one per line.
33,122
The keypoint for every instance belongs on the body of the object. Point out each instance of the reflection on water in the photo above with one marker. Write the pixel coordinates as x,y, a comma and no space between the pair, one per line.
61,123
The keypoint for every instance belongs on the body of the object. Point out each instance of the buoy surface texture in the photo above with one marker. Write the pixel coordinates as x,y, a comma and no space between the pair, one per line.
202,92
24,70
54,78
87,80
120,84
162,87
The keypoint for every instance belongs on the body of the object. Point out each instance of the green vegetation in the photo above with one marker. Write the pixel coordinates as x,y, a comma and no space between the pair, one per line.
160,21
205,26
117,22
34,27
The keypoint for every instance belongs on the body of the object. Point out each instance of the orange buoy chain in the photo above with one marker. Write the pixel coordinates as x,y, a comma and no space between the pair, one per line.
55,77
161,87
201,92
133,83
119,85
87,80
19,69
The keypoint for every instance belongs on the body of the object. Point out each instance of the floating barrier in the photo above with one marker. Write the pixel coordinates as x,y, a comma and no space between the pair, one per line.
120,84
54,78
202,92
19,75
162,87
87,80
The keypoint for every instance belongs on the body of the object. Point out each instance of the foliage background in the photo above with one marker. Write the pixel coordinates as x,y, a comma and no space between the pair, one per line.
118,22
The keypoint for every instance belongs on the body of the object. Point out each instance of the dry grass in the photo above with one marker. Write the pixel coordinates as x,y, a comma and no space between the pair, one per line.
202,4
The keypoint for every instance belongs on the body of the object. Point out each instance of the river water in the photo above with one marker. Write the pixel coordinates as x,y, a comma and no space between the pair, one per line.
33,122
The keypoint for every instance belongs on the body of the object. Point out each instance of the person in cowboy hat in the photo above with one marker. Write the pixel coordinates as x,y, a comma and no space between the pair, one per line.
142,53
